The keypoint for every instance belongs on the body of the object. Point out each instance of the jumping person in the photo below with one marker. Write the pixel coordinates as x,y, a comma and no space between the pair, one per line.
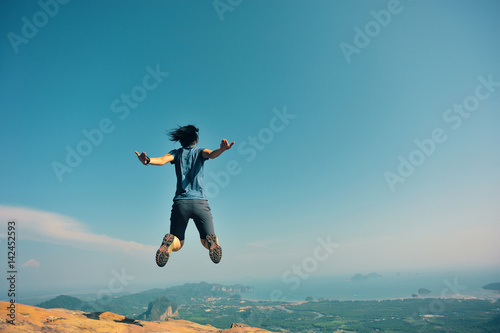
190,201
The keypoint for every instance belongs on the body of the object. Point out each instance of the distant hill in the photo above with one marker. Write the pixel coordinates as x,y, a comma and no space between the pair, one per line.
160,309
34,319
135,305
63,301
492,286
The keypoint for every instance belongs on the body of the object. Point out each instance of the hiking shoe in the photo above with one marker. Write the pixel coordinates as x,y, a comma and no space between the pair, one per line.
214,249
162,254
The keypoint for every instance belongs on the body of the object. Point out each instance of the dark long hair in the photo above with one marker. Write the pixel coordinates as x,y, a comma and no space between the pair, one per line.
186,135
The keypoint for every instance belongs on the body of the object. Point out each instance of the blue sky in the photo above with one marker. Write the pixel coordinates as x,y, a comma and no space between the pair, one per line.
328,142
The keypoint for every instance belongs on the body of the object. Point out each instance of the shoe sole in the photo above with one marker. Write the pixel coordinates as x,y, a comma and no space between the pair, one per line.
215,251
162,254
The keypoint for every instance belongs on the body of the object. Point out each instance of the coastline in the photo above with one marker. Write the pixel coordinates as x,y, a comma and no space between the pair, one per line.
486,295
388,286
458,297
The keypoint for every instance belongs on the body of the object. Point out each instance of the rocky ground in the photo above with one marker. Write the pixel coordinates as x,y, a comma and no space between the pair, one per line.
34,319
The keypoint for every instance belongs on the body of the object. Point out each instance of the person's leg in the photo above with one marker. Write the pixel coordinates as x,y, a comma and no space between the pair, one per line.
163,253
205,244
214,249
178,244
202,217
173,241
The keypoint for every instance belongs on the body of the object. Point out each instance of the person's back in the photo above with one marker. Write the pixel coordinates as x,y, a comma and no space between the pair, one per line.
189,163
190,201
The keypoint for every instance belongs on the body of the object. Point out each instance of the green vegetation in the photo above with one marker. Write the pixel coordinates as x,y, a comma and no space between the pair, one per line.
64,302
409,315
221,306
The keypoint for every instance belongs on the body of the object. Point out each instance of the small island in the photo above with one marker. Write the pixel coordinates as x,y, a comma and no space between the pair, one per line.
423,291
361,277
493,286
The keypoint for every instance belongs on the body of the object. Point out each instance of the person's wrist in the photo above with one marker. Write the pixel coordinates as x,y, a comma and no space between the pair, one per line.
148,160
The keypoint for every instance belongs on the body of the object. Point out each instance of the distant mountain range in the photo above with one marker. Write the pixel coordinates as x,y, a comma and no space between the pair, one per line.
137,305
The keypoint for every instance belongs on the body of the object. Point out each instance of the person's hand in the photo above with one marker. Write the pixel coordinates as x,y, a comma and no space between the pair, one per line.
224,145
142,157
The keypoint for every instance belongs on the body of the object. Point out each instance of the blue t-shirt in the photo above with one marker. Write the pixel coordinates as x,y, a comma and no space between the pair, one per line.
189,163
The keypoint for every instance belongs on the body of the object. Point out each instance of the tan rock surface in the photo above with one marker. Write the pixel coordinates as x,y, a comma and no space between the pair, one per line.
34,319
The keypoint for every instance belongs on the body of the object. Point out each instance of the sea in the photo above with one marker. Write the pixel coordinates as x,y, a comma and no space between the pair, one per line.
377,286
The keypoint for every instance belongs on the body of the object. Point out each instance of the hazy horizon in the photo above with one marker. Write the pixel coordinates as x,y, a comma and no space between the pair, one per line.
389,285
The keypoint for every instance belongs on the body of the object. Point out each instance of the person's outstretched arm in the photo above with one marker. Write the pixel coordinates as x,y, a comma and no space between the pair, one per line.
224,145
154,160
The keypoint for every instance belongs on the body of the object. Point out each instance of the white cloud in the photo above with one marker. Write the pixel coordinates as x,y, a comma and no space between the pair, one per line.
31,263
59,229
